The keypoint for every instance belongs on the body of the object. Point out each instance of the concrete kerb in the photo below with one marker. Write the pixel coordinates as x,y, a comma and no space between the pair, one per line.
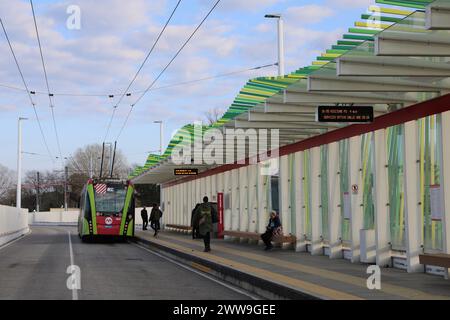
256,285
16,236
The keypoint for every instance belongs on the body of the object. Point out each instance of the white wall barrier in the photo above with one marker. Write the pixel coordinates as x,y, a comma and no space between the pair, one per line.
53,218
68,217
13,224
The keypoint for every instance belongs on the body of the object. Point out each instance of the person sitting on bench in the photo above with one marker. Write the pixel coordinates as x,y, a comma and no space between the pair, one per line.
273,229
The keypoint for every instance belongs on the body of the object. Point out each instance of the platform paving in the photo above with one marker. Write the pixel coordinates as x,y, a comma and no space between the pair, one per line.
317,276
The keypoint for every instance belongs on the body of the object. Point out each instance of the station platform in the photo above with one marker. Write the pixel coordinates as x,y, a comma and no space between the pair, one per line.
285,274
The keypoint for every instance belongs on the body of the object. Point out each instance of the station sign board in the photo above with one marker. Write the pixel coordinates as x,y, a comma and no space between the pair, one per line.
185,172
347,114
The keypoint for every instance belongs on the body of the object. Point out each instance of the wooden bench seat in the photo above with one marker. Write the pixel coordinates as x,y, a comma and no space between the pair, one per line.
438,260
257,236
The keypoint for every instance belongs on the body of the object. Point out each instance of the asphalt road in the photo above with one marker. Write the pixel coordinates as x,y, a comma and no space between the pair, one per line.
35,268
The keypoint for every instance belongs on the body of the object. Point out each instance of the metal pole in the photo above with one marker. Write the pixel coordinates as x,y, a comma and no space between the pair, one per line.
103,157
90,167
281,47
66,176
38,190
19,165
113,159
161,138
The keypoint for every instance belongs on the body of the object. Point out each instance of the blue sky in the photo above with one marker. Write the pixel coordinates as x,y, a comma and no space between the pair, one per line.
114,38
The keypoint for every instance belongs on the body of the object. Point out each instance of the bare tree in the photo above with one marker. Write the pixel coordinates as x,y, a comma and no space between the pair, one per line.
213,115
88,160
6,181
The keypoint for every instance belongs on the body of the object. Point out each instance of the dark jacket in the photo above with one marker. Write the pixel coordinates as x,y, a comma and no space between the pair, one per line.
274,224
194,217
144,214
155,215
204,214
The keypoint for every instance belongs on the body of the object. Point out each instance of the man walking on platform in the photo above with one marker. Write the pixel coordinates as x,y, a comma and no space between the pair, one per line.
155,216
205,213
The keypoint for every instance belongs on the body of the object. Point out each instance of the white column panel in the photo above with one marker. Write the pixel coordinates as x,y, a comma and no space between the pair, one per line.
334,192
228,200
176,199
284,194
198,197
446,181
243,199
263,204
412,183
202,188
214,187
356,213
192,199
316,240
208,189
382,228
252,198
299,210
186,205
180,204
235,200
162,204
169,205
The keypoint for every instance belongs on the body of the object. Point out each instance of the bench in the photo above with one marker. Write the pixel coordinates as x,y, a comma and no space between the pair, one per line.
256,236
438,260
179,227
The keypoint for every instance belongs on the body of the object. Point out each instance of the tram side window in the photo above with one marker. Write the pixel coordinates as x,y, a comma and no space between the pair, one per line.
86,205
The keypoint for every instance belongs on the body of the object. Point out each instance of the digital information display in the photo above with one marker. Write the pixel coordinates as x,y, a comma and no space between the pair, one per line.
186,172
352,114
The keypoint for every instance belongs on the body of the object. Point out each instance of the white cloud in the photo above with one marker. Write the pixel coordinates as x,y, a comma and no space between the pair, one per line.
247,5
351,3
309,14
7,108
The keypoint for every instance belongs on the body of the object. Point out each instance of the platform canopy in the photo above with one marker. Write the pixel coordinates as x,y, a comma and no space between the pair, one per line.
396,56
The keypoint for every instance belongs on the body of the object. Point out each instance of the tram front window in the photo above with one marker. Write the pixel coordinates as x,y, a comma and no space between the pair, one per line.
110,199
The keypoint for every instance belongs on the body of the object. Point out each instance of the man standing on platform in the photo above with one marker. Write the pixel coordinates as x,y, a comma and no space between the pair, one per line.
144,215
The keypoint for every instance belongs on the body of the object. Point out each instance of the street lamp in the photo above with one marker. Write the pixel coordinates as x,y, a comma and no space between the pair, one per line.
161,136
19,164
280,41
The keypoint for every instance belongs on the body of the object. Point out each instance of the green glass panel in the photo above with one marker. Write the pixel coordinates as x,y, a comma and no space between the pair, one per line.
395,148
293,202
344,180
367,173
307,192
430,179
324,190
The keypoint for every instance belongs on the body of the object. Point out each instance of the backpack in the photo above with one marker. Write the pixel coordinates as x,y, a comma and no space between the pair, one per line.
205,210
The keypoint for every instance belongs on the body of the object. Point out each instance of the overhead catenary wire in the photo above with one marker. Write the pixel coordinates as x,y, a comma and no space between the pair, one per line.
165,68
114,106
33,104
168,86
52,106
140,69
